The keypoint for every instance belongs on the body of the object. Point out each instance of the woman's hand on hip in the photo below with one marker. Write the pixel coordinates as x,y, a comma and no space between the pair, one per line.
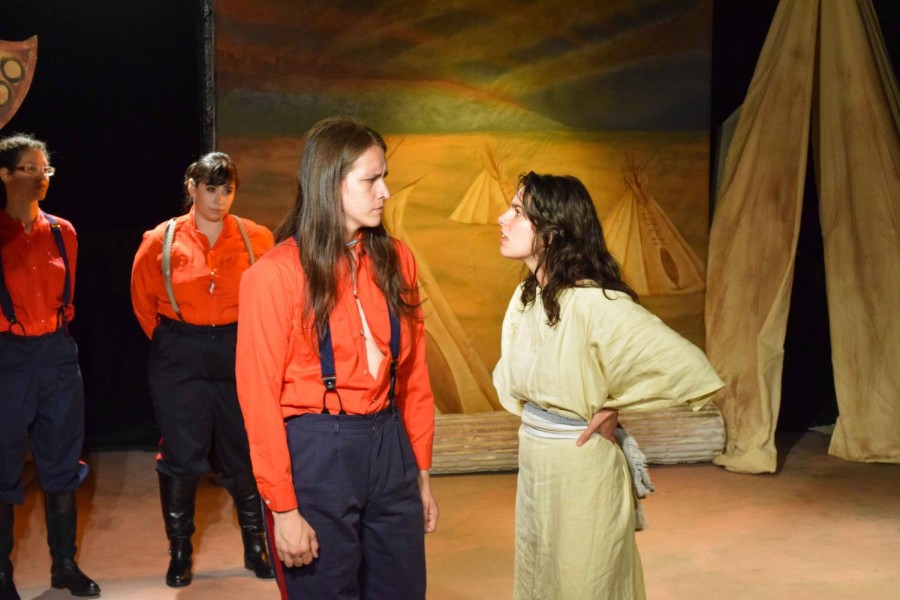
603,422
295,540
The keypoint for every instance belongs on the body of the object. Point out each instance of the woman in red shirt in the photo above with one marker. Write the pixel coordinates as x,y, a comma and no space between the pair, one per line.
41,392
333,382
184,289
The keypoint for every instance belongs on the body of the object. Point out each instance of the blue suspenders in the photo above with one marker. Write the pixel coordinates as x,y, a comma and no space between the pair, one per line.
6,301
326,358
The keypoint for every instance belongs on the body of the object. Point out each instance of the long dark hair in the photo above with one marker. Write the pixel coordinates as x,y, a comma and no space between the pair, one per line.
568,241
213,168
11,150
330,149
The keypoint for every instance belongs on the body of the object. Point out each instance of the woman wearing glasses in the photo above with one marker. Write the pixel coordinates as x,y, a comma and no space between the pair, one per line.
42,392
184,289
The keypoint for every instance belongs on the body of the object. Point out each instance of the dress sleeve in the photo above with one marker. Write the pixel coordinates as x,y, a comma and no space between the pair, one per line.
647,365
264,328
501,373
415,399
146,279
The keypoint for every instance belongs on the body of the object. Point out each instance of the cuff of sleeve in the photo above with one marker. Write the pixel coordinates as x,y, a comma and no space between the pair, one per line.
423,458
280,498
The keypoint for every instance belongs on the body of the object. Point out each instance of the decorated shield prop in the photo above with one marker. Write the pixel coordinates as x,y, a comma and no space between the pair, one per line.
17,60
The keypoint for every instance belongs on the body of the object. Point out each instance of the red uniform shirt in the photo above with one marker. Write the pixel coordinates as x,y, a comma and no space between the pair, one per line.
35,274
205,279
278,369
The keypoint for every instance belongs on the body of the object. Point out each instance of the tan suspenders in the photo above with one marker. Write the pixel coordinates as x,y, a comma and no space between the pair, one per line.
167,258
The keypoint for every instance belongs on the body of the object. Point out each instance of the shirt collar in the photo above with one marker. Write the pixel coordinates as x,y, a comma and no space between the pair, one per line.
11,225
229,226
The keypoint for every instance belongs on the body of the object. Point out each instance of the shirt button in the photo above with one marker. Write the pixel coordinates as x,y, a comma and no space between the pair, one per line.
365,372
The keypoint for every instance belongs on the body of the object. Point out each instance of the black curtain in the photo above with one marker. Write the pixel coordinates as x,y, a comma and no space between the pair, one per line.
117,97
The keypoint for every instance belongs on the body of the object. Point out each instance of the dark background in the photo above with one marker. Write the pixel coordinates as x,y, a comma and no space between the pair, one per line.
117,96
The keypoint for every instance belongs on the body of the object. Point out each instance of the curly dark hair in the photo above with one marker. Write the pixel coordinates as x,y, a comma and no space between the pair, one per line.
568,241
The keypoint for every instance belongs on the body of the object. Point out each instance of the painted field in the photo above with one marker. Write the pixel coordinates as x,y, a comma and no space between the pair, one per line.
469,284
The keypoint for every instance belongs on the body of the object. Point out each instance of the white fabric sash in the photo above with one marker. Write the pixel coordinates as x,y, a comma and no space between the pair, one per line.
545,424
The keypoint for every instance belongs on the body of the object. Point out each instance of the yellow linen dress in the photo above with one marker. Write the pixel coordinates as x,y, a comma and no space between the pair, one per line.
574,507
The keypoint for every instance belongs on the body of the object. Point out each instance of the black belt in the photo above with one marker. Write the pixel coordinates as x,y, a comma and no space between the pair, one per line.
32,339
190,327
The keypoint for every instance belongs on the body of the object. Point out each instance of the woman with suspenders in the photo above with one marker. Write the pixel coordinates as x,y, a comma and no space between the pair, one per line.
41,392
333,382
184,289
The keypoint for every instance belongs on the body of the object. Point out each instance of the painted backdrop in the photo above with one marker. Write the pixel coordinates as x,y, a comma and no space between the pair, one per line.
469,94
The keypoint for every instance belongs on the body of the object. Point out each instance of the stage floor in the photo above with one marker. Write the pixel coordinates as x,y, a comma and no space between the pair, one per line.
821,529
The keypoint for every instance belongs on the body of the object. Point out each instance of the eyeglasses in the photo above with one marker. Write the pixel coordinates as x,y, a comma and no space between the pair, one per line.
34,170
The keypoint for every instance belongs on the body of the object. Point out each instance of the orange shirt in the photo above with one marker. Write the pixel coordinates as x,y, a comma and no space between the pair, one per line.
278,369
35,273
205,279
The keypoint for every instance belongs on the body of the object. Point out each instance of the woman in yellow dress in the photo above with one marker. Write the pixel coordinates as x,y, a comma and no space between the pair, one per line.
576,348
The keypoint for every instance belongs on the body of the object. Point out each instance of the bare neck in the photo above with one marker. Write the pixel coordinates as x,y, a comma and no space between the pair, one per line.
531,263
24,212
211,229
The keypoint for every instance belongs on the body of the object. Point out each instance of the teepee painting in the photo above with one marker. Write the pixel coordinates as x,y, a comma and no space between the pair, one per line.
488,197
459,377
655,258
466,103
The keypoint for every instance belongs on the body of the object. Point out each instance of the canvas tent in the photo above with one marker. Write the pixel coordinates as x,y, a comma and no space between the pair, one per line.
459,378
823,76
655,259
487,198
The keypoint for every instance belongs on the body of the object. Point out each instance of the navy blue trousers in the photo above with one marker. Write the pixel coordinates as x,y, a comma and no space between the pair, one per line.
356,479
41,398
191,372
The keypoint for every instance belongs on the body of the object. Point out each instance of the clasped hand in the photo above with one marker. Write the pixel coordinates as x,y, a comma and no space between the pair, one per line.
295,539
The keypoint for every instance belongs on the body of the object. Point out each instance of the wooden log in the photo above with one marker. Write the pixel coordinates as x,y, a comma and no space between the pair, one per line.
678,435
476,442
488,441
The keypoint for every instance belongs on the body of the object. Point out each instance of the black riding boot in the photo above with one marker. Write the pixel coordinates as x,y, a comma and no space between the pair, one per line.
178,500
7,587
249,512
61,521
